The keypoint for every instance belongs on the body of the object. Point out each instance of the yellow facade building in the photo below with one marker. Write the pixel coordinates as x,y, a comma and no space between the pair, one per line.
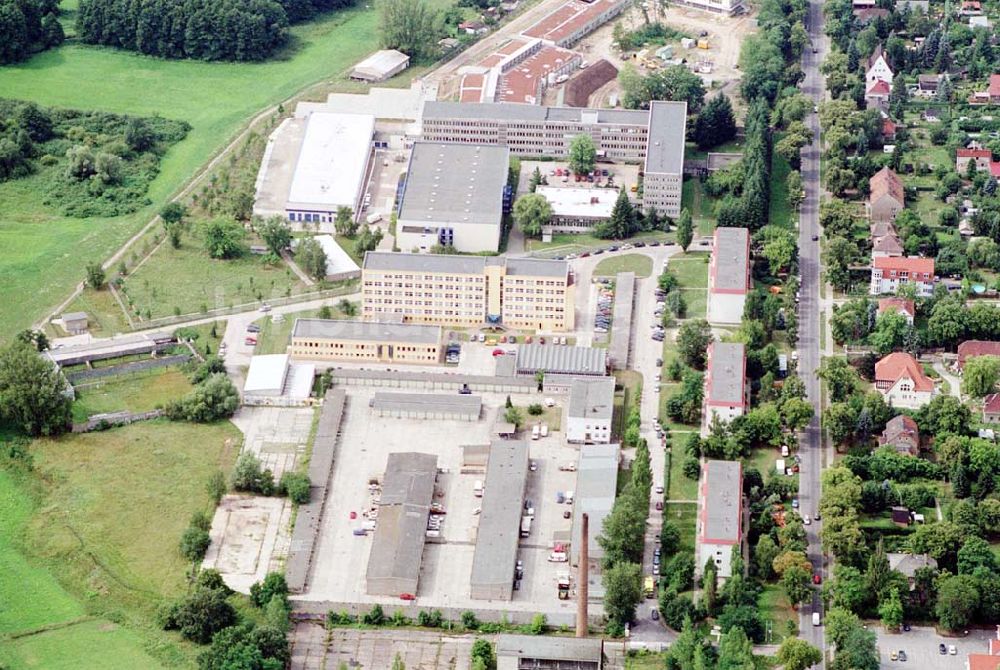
468,291
365,341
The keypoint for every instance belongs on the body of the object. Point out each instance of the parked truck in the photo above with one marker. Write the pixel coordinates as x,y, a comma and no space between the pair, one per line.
526,525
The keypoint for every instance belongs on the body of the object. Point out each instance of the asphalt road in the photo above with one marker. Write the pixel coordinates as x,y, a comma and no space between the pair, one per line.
810,447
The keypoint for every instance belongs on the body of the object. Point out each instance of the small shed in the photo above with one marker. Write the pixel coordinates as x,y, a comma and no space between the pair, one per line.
380,66
75,323
901,516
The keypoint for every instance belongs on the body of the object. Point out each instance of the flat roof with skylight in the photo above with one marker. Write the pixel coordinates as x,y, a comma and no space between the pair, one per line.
455,183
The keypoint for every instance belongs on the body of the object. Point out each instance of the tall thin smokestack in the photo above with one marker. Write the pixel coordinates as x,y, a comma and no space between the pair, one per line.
583,577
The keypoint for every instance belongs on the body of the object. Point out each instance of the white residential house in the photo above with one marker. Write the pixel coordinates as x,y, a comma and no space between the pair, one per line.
878,67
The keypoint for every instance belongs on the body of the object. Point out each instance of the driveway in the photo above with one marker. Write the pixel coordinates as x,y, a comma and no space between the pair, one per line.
921,647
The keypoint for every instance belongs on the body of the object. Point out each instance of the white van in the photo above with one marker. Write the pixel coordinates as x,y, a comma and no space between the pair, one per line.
545,430
477,490
536,432
784,450
815,618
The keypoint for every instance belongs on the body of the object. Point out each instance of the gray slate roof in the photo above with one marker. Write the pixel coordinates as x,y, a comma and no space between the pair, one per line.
407,492
561,359
366,331
727,365
500,521
458,183
667,128
549,648
591,397
537,267
433,402
724,501
596,484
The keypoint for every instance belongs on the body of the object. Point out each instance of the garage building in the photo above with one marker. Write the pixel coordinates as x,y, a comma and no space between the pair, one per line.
398,545
380,66
274,380
566,360
591,404
596,482
500,521
454,407
536,652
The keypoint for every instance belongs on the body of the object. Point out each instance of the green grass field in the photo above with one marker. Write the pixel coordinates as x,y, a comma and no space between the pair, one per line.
681,488
138,392
690,269
105,316
640,264
774,607
701,206
780,214
42,254
566,243
102,542
188,280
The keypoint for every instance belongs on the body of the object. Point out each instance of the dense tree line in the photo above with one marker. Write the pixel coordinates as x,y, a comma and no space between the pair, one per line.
241,30
28,26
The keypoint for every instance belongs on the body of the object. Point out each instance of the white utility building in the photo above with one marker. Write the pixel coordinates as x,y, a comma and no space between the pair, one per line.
588,416
454,195
380,66
576,210
339,264
273,379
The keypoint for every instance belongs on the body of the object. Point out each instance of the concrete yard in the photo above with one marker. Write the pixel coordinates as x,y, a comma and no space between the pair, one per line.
315,648
339,567
276,435
250,537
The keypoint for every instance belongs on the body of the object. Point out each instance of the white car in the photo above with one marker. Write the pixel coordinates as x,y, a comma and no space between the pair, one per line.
549,402
952,650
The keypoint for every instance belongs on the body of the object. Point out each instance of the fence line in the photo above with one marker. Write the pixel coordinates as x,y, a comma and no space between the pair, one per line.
104,421
79,377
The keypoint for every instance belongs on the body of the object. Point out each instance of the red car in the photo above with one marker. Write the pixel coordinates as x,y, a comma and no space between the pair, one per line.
498,352
407,596
541,340
817,579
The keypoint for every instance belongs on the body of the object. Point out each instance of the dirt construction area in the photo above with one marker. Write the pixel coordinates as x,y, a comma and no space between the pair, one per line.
341,557
725,36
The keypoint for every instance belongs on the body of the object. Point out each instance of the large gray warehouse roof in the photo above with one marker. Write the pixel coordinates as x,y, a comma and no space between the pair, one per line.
407,492
591,397
562,360
726,372
500,520
430,402
508,111
731,256
723,506
457,183
366,331
596,483
667,128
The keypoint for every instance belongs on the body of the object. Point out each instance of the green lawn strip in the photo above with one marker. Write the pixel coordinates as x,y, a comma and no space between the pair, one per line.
113,507
640,264
685,516
780,213
763,460
691,270
135,392
774,607
699,204
30,594
42,254
681,487
565,243
81,646
186,279
273,338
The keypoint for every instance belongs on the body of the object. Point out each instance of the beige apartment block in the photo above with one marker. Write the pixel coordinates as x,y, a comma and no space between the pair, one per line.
468,291
332,340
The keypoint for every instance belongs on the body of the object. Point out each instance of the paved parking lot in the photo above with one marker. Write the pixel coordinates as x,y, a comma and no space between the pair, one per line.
921,647
276,435
341,557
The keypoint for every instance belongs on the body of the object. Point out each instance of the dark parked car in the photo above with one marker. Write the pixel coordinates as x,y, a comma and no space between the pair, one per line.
943,650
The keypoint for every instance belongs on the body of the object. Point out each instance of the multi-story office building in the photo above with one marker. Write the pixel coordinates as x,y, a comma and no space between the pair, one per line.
530,130
664,173
468,290
654,137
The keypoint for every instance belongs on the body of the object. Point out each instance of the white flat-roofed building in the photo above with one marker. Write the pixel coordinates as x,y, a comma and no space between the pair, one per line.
381,65
453,196
577,210
596,483
729,275
339,265
720,515
588,416
664,172
728,7
333,155
274,380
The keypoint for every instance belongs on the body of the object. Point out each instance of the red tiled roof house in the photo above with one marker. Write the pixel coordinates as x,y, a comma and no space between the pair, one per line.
887,197
902,382
889,272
